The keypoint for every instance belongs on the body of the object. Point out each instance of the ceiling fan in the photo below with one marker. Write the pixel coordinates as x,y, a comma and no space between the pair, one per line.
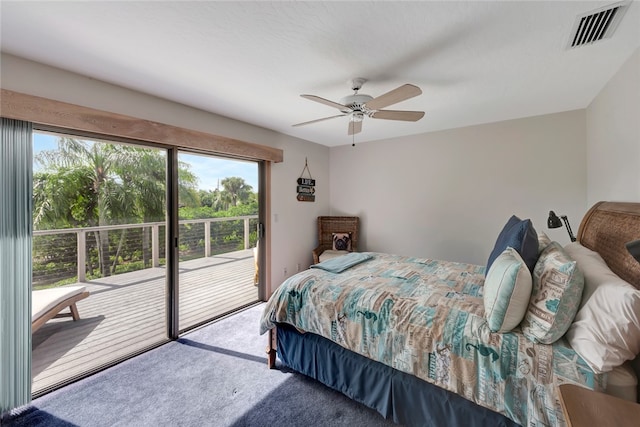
360,105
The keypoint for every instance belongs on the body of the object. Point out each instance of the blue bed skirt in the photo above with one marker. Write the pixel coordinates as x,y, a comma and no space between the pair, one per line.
396,395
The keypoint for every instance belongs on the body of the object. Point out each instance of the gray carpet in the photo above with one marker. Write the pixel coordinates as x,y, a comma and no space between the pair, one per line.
215,376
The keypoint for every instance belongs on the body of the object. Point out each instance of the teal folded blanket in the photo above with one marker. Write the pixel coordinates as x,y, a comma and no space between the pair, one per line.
343,262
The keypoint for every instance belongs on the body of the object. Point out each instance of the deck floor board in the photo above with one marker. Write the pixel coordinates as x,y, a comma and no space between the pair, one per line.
126,313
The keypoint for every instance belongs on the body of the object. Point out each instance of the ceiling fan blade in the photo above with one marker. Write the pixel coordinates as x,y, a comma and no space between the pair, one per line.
354,127
398,94
326,102
318,120
407,116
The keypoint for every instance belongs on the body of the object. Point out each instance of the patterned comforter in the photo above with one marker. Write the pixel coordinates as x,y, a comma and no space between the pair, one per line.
426,318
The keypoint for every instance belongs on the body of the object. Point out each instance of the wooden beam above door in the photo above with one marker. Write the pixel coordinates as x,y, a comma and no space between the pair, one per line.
49,112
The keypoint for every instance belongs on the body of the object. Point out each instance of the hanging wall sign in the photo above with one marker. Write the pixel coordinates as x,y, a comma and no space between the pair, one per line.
306,186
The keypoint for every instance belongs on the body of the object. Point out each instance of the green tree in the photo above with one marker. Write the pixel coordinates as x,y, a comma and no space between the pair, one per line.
62,198
146,184
87,183
92,163
207,198
187,186
236,190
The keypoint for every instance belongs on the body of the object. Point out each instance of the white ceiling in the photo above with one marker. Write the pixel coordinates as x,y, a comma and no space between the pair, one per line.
476,62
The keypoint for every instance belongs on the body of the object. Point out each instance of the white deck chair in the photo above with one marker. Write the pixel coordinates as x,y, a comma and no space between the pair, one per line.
48,303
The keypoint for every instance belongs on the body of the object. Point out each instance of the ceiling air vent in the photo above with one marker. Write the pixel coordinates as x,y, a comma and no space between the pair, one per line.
596,25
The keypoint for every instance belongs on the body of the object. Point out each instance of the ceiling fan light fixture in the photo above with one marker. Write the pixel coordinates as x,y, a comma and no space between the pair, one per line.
357,116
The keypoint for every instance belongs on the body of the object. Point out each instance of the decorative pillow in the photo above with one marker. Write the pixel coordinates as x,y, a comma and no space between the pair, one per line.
520,235
557,290
606,330
341,241
543,241
507,290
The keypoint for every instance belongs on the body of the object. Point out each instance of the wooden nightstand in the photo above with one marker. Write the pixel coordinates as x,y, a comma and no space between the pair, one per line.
584,407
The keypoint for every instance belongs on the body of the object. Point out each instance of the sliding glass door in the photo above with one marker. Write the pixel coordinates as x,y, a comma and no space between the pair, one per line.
103,212
218,222
99,227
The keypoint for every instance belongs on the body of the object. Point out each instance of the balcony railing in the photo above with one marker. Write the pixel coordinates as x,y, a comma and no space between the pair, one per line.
199,243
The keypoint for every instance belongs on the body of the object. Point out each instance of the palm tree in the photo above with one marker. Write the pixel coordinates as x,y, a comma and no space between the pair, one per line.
236,189
146,184
62,198
187,186
207,198
93,163
88,183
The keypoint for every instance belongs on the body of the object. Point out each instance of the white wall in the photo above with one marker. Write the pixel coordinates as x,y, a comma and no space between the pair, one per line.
442,195
294,233
613,137
446,195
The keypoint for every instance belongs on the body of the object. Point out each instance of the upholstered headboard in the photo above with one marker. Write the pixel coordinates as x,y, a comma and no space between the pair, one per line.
606,228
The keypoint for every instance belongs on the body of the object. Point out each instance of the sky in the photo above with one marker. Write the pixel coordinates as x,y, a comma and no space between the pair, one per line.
208,169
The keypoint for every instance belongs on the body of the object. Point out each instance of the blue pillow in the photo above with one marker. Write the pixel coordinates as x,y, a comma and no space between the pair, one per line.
520,235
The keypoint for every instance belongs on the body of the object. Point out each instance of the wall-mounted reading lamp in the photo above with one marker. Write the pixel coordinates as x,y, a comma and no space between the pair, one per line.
555,222
634,249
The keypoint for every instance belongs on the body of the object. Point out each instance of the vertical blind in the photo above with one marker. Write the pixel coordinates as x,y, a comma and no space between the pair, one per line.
16,166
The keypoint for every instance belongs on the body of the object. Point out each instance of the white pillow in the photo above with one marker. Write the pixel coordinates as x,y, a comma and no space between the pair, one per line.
507,289
606,329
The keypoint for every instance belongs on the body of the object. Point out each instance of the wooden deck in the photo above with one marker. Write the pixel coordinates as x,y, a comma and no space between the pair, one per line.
127,313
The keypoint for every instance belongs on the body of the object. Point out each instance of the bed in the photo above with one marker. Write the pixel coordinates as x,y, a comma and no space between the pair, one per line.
411,338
